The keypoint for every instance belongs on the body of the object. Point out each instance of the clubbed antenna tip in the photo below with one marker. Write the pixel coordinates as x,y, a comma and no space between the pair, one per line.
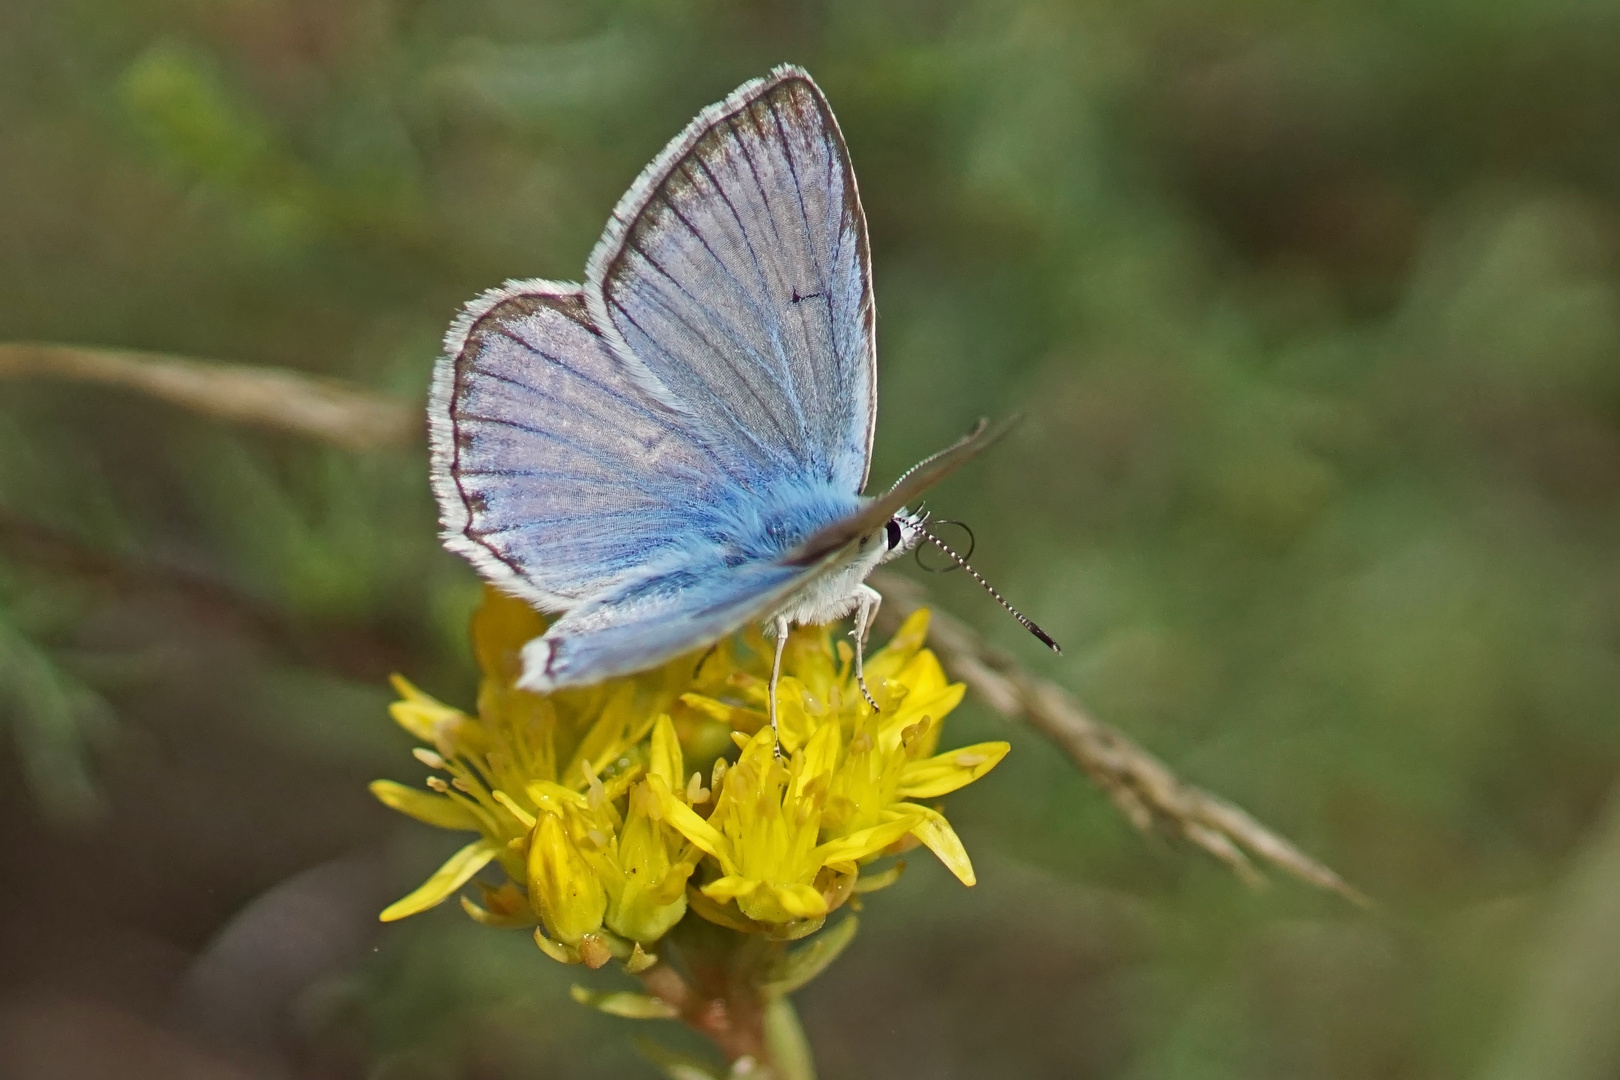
1023,620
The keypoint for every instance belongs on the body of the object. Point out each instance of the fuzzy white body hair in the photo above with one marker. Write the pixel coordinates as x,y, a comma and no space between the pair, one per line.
837,593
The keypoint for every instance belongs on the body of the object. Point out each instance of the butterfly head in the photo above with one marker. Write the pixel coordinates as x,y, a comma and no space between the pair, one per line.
903,532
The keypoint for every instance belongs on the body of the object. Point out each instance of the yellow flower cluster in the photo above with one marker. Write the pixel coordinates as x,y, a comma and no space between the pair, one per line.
584,799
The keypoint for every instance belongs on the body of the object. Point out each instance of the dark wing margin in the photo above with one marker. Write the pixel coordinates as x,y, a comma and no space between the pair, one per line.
734,278
820,545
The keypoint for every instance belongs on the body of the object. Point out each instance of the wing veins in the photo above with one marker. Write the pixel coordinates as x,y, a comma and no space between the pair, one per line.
766,318
742,230
657,415
475,418
764,198
823,274
459,414
559,362
562,518
673,313
759,311
553,474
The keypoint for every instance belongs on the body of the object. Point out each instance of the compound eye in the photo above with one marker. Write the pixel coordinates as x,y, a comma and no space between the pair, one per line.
895,533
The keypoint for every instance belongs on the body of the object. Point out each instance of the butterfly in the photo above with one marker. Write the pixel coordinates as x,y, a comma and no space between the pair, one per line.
677,448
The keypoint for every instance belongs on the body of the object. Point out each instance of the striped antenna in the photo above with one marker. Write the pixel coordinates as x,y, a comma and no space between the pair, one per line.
1025,621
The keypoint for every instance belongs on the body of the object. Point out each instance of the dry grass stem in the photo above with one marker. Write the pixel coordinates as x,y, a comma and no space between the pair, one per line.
349,417
1141,786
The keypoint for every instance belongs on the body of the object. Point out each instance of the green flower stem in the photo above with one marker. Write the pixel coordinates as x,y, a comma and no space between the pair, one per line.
790,1050
718,983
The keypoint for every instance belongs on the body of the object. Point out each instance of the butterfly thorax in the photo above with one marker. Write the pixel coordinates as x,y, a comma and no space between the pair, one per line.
835,594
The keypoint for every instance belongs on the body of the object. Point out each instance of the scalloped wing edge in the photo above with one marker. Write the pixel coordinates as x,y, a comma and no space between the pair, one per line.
455,517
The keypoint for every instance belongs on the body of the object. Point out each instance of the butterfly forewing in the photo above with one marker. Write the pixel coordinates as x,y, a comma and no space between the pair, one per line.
556,474
735,280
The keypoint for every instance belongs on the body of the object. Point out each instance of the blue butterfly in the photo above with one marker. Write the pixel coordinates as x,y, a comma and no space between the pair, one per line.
678,447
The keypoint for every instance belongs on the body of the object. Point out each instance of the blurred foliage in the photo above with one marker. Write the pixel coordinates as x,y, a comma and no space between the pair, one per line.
55,719
1314,314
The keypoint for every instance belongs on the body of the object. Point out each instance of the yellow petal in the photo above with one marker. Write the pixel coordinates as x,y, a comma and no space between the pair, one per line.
869,841
730,888
801,901
665,754
616,785
793,719
887,661
501,626
524,818
610,735
923,673
439,810
420,714
735,716
820,755
941,839
925,697
562,884
721,914
456,872
686,821
760,752
554,798
944,773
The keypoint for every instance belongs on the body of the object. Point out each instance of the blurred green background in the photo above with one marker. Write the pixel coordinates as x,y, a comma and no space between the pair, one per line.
1313,311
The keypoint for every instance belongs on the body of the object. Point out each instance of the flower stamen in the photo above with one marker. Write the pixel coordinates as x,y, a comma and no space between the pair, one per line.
578,797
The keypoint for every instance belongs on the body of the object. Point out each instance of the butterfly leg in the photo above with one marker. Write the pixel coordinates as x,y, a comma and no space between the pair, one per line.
776,673
867,601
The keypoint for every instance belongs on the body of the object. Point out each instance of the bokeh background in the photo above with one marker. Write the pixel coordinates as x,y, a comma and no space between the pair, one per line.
1313,312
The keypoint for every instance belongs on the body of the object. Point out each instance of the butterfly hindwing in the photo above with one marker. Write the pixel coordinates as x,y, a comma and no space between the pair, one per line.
735,279
654,618
557,475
